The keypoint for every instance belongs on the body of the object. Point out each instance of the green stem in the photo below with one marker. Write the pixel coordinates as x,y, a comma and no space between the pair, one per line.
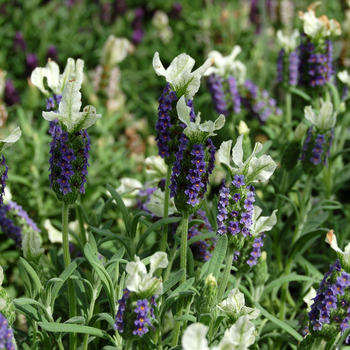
298,230
91,312
81,226
177,327
184,234
288,112
227,271
67,261
128,345
166,210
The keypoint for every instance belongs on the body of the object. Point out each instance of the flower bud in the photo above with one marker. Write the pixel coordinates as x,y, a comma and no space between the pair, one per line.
6,306
260,273
31,246
206,303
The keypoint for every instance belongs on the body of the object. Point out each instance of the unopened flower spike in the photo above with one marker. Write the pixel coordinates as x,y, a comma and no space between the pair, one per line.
70,145
8,142
136,308
319,138
194,161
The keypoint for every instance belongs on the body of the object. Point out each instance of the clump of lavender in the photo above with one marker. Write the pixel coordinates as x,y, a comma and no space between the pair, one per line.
316,49
202,249
138,32
52,53
319,138
6,335
31,63
3,177
19,42
15,222
217,91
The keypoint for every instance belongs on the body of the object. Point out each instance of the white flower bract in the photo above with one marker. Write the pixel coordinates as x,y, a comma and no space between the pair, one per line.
325,119
254,169
55,80
196,127
156,204
11,139
138,280
344,77
179,74
114,50
69,109
289,43
225,66
262,223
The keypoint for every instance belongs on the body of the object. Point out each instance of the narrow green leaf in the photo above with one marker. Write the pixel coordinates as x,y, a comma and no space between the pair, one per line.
75,320
201,237
335,93
218,257
101,317
300,93
121,206
135,221
184,286
279,323
280,281
182,318
153,228
172,280
29,312
300,244
63,277
32,274
73,328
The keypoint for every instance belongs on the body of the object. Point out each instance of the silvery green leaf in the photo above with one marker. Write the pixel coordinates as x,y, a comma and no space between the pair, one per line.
225,153
242,333
262,223
194,337
158,260
156,204
11,139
